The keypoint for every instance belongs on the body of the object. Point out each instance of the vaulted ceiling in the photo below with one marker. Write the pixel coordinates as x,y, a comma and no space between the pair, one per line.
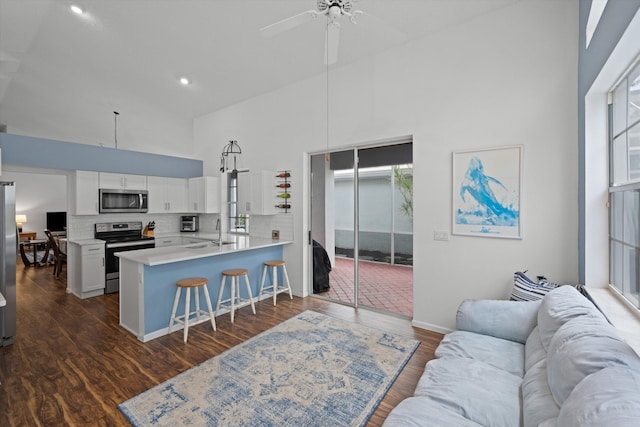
127,55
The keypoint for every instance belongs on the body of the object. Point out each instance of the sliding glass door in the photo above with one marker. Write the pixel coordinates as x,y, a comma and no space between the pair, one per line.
361,222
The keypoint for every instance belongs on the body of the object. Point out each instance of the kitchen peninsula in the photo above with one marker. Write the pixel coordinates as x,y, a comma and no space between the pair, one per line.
148,277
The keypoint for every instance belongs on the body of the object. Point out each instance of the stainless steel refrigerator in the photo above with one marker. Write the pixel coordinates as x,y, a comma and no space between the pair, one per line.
8,246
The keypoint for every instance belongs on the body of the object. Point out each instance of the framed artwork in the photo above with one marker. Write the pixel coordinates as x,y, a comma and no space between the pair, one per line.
487,189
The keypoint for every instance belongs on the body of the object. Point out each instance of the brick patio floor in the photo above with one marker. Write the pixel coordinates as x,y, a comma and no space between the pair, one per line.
384,286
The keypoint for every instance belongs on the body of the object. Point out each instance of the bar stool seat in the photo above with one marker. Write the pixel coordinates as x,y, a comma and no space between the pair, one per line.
235,301
275,287
188,284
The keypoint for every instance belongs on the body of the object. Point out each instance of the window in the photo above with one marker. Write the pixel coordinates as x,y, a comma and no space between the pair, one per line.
624,190
238,221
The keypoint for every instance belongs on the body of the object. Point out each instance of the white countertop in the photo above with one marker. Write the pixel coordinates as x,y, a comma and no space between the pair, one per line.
82,242
171,254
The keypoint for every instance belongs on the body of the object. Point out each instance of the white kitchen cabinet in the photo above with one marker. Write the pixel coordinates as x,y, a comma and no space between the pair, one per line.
122,181
264,193
167,195
204,194
86,269
83,193
244,193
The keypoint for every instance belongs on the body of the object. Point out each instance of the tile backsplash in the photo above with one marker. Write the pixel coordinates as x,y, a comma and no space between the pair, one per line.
261,225
83,226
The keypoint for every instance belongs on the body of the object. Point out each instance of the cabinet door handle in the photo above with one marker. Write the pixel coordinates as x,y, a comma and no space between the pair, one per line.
103,261
94,249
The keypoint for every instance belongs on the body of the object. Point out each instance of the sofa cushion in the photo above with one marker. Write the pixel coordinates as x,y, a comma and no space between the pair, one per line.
502,354
581,347
537,402
476,390
534,352
423,411
509,320
609,397
558,307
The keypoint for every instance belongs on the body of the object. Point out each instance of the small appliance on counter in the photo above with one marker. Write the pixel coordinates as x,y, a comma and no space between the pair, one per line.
148,229
189,223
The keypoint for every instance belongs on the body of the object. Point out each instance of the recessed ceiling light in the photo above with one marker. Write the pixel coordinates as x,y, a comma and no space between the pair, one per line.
77,9
184,81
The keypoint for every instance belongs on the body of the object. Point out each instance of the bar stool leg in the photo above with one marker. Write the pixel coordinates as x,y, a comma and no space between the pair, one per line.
274,281
220,294
286,278
264,275
206,295
197,295
174,309
246,282
187,306
234,283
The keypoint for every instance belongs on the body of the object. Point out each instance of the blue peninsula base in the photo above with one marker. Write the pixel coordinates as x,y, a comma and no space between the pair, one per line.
147,292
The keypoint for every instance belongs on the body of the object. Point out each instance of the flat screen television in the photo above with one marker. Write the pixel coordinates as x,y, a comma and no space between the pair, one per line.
57,221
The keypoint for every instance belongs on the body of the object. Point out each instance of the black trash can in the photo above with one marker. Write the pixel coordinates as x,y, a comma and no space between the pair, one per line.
321,269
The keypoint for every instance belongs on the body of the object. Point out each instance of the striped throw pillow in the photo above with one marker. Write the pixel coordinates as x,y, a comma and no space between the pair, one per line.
525,289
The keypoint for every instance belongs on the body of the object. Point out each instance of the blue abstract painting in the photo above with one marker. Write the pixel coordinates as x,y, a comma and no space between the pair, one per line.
486,187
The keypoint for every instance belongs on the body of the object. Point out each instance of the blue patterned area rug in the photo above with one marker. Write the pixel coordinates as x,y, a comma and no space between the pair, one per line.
311,370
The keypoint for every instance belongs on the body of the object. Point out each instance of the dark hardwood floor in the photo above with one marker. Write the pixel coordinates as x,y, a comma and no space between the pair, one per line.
71,364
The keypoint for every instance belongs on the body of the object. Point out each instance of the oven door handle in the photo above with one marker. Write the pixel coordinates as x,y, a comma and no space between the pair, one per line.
125,244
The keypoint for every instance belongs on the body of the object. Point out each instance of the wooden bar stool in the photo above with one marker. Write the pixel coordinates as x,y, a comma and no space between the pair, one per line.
188,284
235,301
275,288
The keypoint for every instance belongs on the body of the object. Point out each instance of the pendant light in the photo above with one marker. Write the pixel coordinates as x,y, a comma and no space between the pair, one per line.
232,149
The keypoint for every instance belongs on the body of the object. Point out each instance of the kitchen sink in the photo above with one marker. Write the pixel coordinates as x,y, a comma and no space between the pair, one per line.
224,242
211,244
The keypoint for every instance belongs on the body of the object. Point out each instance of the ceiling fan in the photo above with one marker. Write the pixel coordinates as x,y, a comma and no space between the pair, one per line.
333,10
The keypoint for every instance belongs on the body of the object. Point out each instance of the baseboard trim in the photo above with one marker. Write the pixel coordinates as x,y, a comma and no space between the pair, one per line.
430,327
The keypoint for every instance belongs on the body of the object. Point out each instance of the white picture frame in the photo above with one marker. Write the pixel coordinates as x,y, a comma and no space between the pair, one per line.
487,192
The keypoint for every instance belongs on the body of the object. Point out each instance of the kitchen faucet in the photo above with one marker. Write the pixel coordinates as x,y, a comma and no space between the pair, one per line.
219,228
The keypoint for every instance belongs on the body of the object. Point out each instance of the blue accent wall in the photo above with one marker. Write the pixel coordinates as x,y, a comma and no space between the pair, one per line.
614,21
160,282
51,154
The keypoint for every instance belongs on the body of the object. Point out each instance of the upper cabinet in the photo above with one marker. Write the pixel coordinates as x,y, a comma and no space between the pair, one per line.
83,193
122,181
168,195
257,193
204,194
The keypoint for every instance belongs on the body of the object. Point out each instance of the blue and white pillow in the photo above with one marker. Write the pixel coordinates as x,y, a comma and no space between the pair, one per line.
525,289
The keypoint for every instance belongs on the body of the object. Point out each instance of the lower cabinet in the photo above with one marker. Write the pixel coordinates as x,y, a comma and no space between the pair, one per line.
85,265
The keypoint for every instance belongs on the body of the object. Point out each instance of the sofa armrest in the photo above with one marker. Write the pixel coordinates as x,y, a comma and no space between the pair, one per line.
509,320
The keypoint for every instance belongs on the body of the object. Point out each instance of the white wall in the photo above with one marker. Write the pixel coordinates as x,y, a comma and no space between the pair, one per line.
37,194
508,77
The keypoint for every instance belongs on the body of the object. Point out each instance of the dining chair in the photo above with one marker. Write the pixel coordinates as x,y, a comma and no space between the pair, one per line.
59,257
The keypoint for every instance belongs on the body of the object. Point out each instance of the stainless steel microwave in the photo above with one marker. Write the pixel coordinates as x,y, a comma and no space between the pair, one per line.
116,200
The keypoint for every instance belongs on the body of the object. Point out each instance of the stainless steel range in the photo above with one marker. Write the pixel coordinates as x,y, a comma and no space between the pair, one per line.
120,237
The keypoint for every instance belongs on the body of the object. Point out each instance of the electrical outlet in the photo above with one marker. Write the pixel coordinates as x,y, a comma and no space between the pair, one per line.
441,235
275,234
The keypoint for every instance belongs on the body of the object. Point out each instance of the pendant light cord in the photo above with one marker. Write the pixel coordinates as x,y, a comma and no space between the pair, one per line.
326,61
115,127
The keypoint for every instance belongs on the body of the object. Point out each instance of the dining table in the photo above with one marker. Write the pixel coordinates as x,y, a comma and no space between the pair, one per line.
34,244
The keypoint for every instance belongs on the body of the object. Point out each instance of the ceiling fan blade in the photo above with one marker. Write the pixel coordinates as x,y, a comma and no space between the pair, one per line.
289,23
331,40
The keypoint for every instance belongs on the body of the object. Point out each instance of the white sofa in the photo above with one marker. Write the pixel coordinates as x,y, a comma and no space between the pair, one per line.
555,362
